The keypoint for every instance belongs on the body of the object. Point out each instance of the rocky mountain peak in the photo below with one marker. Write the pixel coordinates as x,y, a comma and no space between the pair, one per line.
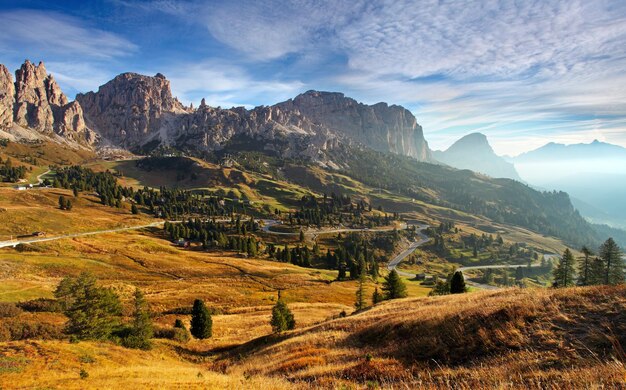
35,101
474,152
379,126
7,97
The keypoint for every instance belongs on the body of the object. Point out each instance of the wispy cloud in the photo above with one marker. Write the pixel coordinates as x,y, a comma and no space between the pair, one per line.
51,33
225,84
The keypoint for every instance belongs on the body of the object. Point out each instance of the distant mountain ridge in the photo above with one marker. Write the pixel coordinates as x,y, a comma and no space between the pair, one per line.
594,172
557,152
474,152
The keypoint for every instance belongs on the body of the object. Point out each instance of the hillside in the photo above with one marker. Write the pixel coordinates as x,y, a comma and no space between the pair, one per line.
522,338
533,339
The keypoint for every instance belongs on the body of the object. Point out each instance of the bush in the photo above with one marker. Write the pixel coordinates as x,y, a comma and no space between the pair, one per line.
41,305
181,335
14,330
8,310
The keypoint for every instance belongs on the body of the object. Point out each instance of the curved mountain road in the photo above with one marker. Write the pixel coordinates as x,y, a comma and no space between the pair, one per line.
13,243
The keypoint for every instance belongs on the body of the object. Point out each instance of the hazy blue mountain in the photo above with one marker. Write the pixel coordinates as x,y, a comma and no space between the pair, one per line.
594,174
474,152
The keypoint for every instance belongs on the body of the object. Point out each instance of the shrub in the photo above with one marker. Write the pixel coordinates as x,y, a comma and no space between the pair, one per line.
177,334
8,310
41,305
19,330
83,374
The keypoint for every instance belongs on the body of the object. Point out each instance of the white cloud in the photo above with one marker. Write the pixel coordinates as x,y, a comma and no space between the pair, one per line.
49,33
224,84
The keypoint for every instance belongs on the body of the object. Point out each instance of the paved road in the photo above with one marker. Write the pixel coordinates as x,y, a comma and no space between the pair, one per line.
490,287
13,243
269,223
393,264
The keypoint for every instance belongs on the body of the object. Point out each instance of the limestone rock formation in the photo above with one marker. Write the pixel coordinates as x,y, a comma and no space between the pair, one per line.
130,108
133,110
7,98
381,127
35,101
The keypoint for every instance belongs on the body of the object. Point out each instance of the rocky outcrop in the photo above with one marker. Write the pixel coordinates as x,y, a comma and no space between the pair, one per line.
474,152
35,101
7,98
133,110
130,108
380,126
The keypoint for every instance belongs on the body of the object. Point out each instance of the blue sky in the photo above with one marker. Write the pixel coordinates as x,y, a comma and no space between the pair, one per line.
523,72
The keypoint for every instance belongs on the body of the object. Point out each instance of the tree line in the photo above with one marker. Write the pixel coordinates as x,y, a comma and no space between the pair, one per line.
605,267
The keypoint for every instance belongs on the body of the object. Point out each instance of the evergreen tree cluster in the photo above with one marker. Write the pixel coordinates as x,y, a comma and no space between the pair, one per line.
84,179
11,174
213,234
175,204
607,267
337,209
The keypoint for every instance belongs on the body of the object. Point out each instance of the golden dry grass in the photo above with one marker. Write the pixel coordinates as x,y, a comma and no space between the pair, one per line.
24,212
512,338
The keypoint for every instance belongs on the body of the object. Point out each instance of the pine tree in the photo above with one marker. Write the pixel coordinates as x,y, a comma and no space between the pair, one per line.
393,286
611,254
134,209
301,236
376,296
584,270
62,202
457,283
564,271
360,293
201,321
282,318
141,330
597,271
93,312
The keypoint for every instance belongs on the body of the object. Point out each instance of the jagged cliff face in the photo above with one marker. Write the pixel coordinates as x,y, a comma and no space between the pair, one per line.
7,98
129,108
381,127
133,110
35,101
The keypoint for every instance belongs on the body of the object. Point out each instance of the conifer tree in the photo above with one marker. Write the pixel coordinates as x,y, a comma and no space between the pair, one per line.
201,321
611,254
360,292
282,318
376,296
393,286
457,283
564,271
584,270
141,329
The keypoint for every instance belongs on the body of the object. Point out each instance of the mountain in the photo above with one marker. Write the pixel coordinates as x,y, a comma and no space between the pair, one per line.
595,173
555,152
135,111
35,101
474,152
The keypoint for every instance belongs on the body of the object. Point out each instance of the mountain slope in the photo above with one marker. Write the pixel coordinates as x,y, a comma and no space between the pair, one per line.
513,338
134,111
474,152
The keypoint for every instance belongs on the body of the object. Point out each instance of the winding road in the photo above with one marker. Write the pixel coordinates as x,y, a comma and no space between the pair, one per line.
13,243
423,238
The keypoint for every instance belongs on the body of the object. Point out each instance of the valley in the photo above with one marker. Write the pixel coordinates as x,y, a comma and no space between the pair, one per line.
317,242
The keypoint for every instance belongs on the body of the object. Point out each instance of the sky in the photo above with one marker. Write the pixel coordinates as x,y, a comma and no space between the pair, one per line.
524,73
